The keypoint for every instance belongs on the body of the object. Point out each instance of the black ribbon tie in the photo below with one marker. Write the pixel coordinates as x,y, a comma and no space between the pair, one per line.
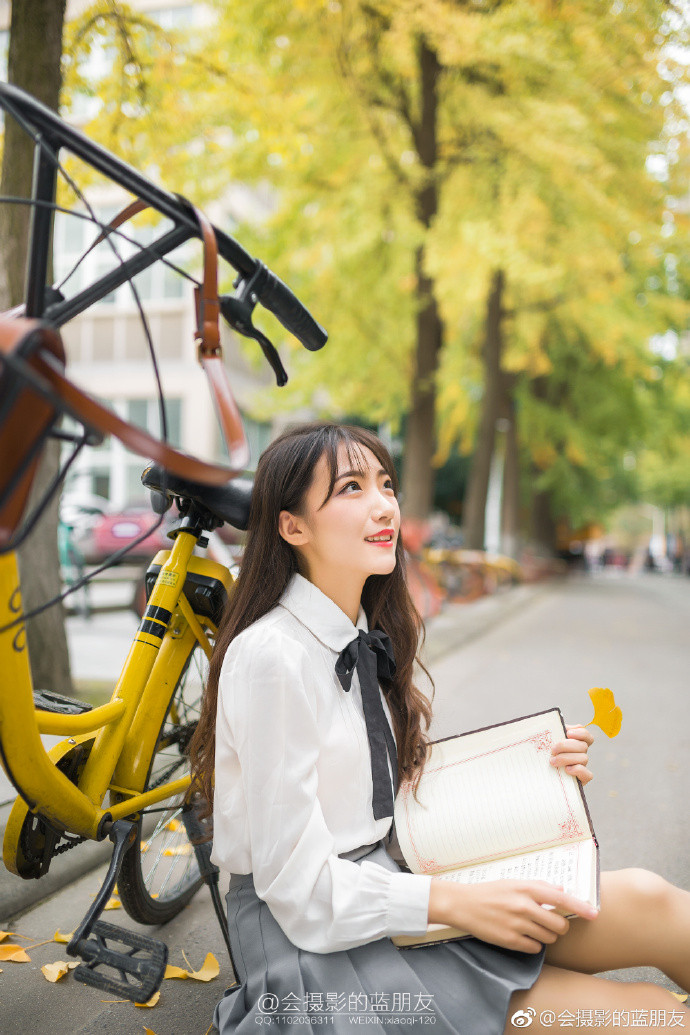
372,655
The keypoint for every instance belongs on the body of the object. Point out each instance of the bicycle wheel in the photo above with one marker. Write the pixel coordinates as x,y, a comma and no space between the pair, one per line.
159,873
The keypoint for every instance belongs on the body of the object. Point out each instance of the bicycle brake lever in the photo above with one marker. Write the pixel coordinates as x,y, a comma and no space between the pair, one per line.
237,312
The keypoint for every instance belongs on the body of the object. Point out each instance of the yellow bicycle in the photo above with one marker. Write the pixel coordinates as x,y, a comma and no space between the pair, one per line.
121,770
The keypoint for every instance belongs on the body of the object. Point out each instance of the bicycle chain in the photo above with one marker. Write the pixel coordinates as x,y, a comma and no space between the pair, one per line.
70,843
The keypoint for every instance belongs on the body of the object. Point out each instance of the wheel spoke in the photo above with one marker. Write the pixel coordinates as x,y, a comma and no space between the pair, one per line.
164,872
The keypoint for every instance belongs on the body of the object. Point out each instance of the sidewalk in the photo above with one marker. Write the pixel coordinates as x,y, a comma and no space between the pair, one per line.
98,648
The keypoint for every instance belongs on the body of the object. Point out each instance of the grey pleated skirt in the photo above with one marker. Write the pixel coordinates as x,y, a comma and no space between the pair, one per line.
457,988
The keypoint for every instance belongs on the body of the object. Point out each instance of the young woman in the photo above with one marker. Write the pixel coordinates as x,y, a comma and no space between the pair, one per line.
311,718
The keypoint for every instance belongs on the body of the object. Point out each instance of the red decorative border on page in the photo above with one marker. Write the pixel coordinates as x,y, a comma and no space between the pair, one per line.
542,742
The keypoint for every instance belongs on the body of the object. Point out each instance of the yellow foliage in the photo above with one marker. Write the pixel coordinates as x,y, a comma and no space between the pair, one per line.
14,954
150,1003
54,971
607,715
544,455
575,455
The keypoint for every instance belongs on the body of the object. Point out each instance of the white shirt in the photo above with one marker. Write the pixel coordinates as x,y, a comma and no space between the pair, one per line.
293,784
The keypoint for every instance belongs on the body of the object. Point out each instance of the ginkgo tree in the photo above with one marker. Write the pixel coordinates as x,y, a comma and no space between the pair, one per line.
445,176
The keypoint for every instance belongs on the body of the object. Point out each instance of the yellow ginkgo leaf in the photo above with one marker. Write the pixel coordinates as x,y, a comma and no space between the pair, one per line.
151,1002
14,954
54,971
179,850
209,970
4,934
175,972
113,903
607,715
147,1031
61,938
174,825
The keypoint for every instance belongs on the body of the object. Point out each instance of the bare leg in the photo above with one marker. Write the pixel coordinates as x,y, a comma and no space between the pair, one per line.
644,921
561,1000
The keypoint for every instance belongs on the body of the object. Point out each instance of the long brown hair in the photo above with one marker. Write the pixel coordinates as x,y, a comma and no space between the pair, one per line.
283,476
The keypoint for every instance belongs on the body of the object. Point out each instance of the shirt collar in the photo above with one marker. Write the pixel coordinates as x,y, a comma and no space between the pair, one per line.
320,614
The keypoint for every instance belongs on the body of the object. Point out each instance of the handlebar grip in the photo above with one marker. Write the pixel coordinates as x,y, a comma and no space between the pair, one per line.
295,318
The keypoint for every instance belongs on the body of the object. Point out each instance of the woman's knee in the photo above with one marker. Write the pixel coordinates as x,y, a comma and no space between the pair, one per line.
645,889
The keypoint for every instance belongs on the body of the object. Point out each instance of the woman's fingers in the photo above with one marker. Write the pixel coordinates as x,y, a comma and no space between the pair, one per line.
571,754
574,765
569,758
545,893
580,732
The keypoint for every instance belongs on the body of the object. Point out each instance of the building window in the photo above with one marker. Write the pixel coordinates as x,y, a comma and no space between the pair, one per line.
73,235
112,471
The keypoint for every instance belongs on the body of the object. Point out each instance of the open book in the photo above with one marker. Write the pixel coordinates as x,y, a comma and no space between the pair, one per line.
492,807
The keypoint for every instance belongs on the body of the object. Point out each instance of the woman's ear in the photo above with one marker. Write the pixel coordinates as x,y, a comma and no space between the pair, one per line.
292,529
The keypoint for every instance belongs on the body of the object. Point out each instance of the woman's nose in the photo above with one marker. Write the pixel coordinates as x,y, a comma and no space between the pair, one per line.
384,506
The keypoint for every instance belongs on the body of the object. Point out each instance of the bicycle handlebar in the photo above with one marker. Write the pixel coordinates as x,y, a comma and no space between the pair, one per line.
269,289
277,297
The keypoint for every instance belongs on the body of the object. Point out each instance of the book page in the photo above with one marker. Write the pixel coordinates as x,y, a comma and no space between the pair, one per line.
570,866
490,793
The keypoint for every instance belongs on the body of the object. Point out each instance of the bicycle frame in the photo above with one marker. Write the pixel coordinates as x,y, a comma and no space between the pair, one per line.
125,730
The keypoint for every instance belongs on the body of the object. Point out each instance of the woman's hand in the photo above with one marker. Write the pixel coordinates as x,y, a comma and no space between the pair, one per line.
572,753
509,913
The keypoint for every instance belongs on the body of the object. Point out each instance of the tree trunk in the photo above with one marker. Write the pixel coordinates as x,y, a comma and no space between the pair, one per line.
475,500
542,523
418,472
510,516
35,52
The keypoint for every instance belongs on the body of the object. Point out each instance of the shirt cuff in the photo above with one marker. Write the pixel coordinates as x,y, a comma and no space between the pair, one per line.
408,903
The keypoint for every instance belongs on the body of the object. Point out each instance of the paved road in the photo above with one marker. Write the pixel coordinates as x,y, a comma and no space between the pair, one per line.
626,634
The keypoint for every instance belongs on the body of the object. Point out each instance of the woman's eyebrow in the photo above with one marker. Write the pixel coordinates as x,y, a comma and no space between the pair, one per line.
360,474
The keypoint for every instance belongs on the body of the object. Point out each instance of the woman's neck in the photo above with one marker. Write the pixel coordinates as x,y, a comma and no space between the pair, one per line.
344,591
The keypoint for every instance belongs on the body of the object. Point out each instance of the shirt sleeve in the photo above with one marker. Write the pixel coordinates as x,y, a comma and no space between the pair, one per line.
322,903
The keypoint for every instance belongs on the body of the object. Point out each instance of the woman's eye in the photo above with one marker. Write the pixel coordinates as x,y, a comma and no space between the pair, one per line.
348,484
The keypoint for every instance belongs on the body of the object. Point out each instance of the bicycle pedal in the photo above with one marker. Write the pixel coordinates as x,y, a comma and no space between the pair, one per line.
135,972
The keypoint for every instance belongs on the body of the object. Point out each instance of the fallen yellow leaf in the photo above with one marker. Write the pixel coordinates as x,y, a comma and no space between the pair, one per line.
113,903
54,971
14,954
151,1002
210,969
179,850
4,934
175,972
147,1031
174,825
61,938
143,847
607,715
682,996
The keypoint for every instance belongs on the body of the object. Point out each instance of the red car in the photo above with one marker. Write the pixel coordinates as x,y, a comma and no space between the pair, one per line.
113,531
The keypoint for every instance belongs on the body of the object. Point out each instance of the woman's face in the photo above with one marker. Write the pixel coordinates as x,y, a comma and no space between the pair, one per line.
338,535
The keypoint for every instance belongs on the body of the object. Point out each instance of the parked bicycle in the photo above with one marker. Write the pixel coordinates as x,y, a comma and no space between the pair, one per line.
121,770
